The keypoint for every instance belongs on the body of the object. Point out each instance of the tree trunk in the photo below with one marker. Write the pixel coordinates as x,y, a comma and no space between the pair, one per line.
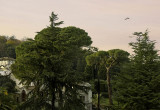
53,95
60,97
109,88
98,88
98,105
53,101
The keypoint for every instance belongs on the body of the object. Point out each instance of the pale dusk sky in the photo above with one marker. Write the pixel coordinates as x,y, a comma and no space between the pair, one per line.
102,19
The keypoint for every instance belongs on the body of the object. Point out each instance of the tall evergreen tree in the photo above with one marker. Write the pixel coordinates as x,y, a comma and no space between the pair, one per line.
137,84
49,64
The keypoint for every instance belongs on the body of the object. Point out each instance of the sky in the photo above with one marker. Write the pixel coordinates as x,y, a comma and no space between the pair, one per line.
103,20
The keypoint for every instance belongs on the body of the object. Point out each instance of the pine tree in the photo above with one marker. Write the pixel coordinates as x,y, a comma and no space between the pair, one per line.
54,18
47,61
137,84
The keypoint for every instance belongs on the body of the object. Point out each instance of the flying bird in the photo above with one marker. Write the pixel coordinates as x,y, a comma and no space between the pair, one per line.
126,18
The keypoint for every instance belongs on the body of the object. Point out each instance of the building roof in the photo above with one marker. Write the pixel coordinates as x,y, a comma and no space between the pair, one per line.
6,58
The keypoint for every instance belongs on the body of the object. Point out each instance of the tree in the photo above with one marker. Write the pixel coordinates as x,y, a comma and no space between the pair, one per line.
136,87
8,45
112,58
7,90
108,59
3,41
7,83
49,64
94,61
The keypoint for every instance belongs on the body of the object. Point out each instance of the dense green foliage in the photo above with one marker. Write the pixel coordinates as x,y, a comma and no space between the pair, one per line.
7,83
137,86
51,62
7,90
7,46
103,62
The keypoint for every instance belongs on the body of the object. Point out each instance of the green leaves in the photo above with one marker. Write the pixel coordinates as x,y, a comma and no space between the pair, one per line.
7,83
107,60
75,36
8,45
50,61
136,85
7,100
